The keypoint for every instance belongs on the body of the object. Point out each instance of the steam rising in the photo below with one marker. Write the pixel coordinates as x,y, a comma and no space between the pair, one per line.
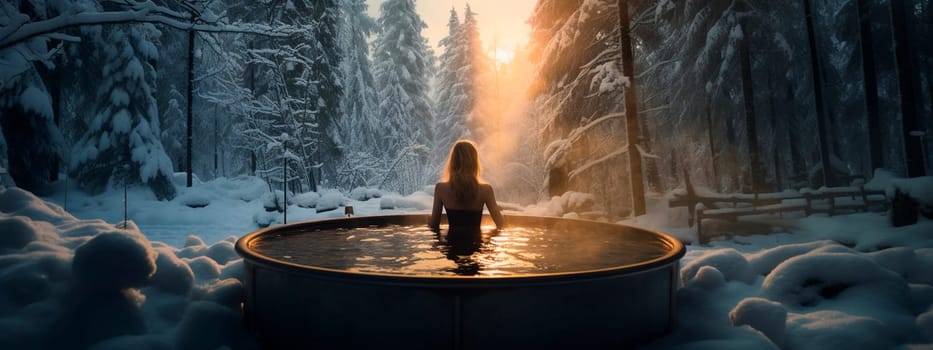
508,136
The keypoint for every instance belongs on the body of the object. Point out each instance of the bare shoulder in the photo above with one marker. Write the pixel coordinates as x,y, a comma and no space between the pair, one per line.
485,188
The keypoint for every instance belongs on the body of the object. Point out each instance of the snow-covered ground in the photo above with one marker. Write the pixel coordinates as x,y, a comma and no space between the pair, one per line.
171,279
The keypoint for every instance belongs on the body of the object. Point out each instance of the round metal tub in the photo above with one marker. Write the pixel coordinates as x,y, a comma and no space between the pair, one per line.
290,305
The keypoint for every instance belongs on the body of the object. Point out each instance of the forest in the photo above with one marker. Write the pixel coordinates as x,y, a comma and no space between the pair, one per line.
745,96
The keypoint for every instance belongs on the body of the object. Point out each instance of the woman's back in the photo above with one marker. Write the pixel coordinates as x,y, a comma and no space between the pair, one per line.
467,211
462,193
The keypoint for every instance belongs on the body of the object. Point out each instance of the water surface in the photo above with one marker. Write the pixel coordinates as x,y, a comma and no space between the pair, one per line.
416,250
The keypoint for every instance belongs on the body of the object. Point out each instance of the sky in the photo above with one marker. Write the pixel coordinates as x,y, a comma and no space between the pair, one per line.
500,21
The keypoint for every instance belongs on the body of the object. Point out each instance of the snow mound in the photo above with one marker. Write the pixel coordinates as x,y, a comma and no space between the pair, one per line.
222,252
765,261
307,200
560,206
266,218
918,188
245,188
925,324
17,202
172,274
195,198
836,330
330,200
365,193
234,269
417,201
728,261
708,277
69,283
273,201
193,241
763,315
114,261
228,292
204,268
16,232
817,276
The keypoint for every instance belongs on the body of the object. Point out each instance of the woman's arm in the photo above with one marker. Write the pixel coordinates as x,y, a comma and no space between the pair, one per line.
493,206
435,222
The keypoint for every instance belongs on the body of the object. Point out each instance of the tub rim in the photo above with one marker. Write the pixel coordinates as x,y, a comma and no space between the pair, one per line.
676,251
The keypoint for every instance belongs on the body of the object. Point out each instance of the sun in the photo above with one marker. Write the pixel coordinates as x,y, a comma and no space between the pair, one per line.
503,56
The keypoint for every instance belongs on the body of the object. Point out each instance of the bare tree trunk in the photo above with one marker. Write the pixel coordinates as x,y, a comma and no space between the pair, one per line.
190,103
772,108
793,140
908,85
631,112
712,143
827,173
863,8
751,126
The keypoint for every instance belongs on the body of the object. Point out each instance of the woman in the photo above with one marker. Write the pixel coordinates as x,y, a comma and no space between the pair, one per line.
462,193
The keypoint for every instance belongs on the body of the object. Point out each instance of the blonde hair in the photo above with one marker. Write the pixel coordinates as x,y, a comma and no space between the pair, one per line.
463,170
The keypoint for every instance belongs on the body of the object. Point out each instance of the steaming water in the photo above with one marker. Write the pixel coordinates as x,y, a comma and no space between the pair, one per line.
415,250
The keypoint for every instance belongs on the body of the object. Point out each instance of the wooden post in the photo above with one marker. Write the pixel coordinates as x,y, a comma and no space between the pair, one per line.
631,112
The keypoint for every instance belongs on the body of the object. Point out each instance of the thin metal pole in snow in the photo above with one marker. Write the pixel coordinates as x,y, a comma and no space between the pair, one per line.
284,183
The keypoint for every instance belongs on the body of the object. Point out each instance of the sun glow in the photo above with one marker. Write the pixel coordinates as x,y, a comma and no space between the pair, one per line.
503,56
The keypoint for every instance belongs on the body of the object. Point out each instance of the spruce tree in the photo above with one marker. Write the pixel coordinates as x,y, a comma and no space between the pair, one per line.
453,101
402,64
122,139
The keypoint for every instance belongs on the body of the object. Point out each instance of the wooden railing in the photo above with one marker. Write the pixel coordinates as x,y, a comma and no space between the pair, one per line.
705,204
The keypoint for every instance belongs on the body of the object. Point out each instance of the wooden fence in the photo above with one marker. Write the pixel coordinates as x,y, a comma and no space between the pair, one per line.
704,204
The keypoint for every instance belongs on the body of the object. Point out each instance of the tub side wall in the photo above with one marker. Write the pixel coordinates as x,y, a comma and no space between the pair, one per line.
300,310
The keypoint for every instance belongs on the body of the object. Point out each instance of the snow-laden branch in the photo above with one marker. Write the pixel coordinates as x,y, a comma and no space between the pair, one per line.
622,150
147,14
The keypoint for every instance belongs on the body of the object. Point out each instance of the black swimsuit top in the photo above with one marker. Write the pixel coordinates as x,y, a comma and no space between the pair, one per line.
464,218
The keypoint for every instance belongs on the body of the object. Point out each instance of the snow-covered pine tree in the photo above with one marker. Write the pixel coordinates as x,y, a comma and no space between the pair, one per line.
122,140
578,83
30,142
453,100
401,68
327,87
358,124
476,75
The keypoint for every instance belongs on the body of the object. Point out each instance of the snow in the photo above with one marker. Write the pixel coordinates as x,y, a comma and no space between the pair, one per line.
307,200
729,262
121,122
33,99
559,206
172,280
420,200
763,315
330,200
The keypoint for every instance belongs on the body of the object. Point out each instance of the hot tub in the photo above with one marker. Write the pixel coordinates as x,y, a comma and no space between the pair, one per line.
499,294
